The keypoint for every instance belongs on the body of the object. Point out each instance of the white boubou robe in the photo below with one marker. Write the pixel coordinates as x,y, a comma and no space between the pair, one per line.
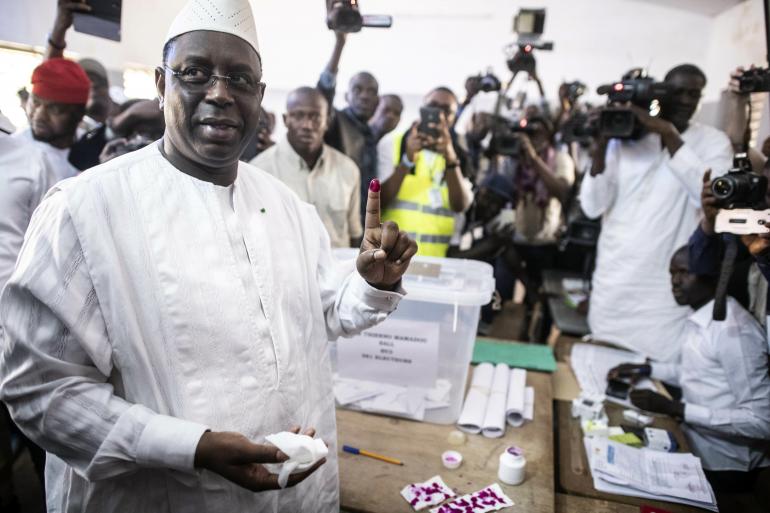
148,306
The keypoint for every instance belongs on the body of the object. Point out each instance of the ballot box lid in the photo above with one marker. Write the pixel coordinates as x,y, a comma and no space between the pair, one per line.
442,280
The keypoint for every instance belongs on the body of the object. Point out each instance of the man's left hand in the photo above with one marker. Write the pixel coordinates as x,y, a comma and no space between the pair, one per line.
443,144
758,245
385,251
654,402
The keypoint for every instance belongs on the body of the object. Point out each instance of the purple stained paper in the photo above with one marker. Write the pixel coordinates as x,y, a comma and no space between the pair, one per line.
430,493
490,498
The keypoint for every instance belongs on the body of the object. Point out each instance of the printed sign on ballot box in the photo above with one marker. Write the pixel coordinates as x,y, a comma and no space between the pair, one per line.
397,351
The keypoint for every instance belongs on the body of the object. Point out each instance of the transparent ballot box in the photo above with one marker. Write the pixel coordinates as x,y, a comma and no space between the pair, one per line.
415,363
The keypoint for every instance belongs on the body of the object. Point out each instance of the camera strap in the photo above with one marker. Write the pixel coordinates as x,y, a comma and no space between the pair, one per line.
725,273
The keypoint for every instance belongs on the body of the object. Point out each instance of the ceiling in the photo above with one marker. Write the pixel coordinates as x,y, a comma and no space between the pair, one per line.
704,7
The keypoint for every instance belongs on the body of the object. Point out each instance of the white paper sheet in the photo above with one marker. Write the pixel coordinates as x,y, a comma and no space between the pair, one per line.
494,418
591,363
409,402
475,407
516,403
675,477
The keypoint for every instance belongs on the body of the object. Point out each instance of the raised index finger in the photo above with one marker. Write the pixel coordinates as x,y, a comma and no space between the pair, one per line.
373,206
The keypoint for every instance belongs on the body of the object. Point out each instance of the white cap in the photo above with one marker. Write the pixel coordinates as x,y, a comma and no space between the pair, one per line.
228,16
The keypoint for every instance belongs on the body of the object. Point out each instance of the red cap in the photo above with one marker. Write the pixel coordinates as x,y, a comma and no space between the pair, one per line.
61,81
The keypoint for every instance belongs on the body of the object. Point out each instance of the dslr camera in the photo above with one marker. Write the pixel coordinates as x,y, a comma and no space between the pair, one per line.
619,122
755,80
575,90
741,198
345,16
529,25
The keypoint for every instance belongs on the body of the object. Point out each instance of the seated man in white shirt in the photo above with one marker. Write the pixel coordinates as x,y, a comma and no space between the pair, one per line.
647,193
723,374
319,174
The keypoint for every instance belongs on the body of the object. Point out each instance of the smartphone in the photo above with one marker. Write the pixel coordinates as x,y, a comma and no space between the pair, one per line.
618,388
103,20
429,116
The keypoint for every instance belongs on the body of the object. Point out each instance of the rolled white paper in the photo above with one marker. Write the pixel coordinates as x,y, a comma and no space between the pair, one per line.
515,407
494,418
472,416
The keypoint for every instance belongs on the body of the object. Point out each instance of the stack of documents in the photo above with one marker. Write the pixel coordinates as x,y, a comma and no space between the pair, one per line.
591,363
409,402
657,475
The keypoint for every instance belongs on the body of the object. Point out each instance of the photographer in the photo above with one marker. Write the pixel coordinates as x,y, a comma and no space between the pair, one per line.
427,188
647,192
542,178
483,235
725,403
349,131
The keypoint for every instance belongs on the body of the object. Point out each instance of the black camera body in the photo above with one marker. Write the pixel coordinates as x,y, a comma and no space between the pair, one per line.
755,80
740,188
619,122
529,25
575,90
489,83
504,139
579,128
345,16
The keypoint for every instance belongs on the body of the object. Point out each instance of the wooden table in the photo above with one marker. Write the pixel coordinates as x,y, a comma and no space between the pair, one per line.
574,471
370,486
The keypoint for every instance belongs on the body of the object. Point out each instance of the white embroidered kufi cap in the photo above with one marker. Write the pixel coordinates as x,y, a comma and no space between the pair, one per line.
228,16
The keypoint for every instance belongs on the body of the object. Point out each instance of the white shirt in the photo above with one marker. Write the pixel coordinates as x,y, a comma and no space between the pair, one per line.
649,204
24,180
333,186
57,159
131,326
725,387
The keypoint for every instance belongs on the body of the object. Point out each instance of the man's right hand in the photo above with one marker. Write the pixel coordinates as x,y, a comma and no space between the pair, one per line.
709,204
234,457
634,371
64,16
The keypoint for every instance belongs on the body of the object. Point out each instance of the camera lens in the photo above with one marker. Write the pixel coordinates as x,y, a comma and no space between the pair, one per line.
723,187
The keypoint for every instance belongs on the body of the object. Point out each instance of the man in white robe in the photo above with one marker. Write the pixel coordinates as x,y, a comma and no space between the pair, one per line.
647,193
172,307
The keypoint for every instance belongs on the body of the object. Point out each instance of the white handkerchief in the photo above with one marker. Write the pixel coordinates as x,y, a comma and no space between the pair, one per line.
303,453
423,495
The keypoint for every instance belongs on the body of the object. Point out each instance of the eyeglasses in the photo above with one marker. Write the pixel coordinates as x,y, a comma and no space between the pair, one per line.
198,79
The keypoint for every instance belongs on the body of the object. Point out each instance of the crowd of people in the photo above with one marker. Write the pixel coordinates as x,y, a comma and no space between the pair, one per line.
123,261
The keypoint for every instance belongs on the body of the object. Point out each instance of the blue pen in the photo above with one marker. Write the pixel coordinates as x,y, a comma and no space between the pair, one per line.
353,450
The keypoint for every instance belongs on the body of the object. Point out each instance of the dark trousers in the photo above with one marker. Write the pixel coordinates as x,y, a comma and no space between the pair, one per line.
526,264
732,481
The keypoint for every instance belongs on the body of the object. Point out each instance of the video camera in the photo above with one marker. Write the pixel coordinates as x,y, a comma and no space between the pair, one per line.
529,25
505,141
345,16
579,128
741,199
619,122
755,80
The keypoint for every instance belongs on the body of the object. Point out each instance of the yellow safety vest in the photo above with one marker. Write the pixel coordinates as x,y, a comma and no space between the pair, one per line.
416,209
